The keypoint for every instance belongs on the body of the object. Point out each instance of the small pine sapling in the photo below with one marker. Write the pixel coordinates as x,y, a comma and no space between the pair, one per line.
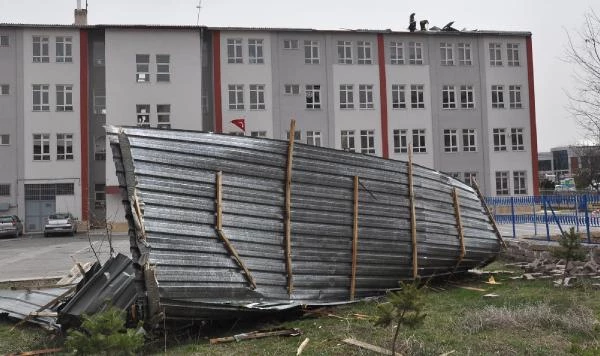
569,249
403,307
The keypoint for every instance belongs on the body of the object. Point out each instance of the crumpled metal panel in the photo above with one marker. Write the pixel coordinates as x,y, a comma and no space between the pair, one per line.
172,176
113,284
19,304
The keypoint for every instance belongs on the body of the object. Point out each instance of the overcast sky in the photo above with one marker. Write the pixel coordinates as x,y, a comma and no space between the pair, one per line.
548,20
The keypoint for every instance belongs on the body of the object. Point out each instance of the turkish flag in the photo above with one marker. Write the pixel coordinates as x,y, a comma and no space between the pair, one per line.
241,123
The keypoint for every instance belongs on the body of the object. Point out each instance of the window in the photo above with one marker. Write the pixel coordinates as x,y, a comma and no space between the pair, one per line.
495,54
502,183
469,140
64,147
99,195
142,68
450,140
258,133
313,138
446,54
512,54
163,68
4,89
348,140
470,178
99,97
519,182
41,147
455,175
291,89
64,98
297,135
417,100
400,141
313,96
398,97
4,41
415,53
418,140
236,97
516,139
40,49
464,54
514,96
64,49
163,116
255,51
344,49
311,52
396,52
4,190
499,136
257,97
448,97
237,133
466,97
65,189
100,148
498,96
364,52
143,115
346,96
367,141
4,139
41,95
365,96
290,44
234,50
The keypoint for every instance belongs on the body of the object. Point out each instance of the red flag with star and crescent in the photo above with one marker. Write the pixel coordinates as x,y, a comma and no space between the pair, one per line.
241,123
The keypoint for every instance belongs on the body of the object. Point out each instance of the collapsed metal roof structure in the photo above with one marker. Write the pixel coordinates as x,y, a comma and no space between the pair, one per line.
224,225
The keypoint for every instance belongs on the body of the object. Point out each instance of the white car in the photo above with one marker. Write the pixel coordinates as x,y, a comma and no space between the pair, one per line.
60,223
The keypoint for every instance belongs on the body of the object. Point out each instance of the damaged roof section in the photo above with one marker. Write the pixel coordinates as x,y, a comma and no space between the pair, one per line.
35,306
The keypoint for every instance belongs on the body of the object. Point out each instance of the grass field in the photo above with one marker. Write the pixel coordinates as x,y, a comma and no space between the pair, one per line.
527,318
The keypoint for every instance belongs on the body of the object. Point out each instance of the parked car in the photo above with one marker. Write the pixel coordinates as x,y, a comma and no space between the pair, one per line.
11,225
60,223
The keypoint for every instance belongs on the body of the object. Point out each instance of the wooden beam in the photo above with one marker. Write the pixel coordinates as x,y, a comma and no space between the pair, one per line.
219,200
237,258
488,212
219,227
364,345
288,206
459,226
413,215
354,240
256,335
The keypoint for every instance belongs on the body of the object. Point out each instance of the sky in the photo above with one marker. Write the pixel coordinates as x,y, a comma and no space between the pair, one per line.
549,21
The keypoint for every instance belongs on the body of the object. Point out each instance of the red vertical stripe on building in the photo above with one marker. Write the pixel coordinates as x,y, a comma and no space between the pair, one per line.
532,123
383,96
217,81
83,123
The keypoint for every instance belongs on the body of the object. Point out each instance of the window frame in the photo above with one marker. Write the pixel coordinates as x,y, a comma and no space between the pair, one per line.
288,44
344,52
4,139
367,142
143,115
502,186
291,89
499,139
348,142
4,89
399,96
65,47
519,182
235,92
163,68
415,53
257,92
256,51
417,96
396,52
364,51
142,69
446,54
313,92
64,147
346,95
464,54
517,139
515,97
4,41
163,116
467,97
495,52
512,55
43,91
64,94
42,44
313,138
100,148
365,97
313,55
450,139
448,97
469,140
419,141
43,141
400,140
235,54
498,96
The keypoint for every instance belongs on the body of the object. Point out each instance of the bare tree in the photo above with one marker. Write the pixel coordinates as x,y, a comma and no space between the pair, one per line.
583,49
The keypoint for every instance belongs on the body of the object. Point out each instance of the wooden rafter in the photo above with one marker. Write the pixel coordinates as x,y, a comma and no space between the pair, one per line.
413,215
288,206
354,239
459,226
488,213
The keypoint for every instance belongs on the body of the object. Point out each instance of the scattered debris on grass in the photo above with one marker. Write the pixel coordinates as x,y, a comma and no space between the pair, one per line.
258,334
364,345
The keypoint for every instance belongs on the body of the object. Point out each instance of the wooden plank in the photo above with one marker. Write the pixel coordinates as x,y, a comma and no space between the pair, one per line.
488,212
232,251
219,200
256,335
364,345
413,215
354,240
288,205
459,227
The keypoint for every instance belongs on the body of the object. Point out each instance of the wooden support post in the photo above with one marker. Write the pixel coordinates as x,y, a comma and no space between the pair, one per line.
354,240
459,226
219,227
413,216
288,205
219,200
488,213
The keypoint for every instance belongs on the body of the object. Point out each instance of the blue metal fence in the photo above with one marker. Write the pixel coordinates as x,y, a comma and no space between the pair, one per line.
575,210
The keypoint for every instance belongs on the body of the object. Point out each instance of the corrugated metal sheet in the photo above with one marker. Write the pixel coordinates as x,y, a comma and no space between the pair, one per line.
113,284
172,176
19,304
